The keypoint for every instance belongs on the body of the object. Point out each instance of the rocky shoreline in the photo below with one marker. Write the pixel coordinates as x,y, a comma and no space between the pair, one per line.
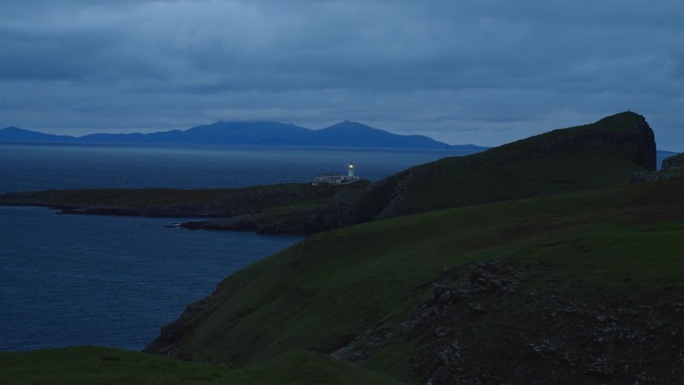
285,209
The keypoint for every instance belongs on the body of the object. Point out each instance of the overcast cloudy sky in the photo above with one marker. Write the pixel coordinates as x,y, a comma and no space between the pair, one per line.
480,71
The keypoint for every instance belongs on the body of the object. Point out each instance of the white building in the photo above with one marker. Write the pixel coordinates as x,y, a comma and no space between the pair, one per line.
337,178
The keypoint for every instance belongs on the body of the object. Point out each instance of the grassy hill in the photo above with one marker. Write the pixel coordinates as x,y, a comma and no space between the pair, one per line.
571,271
103,366
605,153
553,266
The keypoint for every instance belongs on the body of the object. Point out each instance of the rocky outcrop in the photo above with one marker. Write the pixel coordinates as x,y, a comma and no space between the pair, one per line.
590,338
498,323
672,168
174,333
673,163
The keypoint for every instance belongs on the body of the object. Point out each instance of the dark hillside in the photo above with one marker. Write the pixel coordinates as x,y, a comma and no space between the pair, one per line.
89,365
574,288
627,131
605,153
672,168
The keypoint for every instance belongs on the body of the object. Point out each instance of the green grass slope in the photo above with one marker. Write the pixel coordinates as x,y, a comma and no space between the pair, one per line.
96,365
604,153
620,244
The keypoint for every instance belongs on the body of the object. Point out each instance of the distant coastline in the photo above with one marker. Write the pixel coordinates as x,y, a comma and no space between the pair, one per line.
260,133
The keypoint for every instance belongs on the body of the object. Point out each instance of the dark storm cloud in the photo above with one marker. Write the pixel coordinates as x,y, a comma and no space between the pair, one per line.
467,71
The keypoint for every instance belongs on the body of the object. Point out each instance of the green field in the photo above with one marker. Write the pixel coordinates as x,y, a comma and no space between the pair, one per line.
96,365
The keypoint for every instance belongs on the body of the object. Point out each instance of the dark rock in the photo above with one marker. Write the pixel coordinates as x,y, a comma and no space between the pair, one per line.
496,322
173,334
674,162
672,168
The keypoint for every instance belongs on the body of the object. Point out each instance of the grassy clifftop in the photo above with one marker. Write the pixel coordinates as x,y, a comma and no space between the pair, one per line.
604,153
627,131
548,267
585,282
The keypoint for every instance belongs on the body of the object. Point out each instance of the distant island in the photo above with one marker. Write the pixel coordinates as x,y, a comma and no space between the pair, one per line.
259,133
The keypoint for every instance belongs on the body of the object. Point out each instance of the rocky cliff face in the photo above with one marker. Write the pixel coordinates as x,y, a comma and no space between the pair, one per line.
671,168
494,323
673,163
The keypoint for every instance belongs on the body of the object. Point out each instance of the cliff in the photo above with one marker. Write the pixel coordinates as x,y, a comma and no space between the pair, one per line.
547,266
672,167
605,153
580,287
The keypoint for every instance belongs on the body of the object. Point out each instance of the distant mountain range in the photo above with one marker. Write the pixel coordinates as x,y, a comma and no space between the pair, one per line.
344,134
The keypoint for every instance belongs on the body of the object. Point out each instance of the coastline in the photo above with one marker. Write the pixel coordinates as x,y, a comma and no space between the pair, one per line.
266,210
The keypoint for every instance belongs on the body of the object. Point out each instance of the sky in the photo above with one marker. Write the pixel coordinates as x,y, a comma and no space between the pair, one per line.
469,71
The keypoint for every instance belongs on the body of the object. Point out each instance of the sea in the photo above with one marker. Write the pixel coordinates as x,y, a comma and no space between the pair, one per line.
110,281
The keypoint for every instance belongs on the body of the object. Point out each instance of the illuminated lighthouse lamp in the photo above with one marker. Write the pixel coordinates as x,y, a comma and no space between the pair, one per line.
337,178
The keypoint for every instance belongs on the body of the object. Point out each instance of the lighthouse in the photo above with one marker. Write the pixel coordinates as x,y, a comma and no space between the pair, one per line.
335,178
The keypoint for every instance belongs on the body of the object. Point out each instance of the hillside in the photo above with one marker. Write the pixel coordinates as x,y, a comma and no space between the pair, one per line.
606,153
587,284
571,285
89,365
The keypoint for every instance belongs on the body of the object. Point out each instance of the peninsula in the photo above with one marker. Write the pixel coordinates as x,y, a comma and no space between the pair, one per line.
554,259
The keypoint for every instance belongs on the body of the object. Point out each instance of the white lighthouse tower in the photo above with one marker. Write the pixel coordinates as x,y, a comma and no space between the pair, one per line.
332,178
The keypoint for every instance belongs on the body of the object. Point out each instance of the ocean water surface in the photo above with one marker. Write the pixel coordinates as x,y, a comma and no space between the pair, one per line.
113,281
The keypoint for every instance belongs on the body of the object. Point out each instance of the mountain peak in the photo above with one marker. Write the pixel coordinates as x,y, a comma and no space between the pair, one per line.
13,129
354,134
256,132
350,124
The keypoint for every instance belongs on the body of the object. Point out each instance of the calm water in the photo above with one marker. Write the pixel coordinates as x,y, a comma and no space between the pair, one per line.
37,167
75,280
112,281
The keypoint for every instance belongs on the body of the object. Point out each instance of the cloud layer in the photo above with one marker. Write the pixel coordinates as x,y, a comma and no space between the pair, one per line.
469,71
